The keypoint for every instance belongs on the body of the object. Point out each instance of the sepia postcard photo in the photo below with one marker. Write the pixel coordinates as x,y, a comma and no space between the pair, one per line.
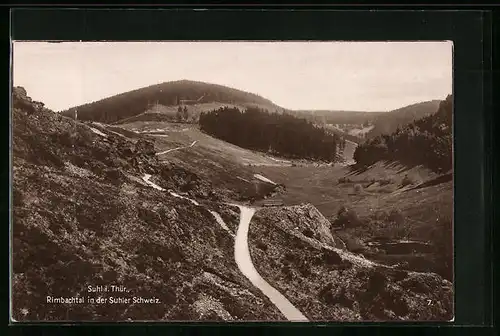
232,181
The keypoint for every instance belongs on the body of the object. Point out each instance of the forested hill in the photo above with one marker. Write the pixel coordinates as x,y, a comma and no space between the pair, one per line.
280,134
383,121
132,103
386,123
427,141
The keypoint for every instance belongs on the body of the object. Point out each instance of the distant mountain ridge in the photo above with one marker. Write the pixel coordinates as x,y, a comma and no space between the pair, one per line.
336,116
380,122
160,102
389,122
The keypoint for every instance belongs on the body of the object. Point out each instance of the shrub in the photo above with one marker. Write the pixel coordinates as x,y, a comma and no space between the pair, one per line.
115,175
396,217
393,300
290,257
442,236
344,180
380,215
421,283
354,244
308,233
385,182
17,197
358,188
211,316
399,274
406,181
331,258
377,281
304,268
149,216
287,271
145,147
347,218
332,294
345,264
262,246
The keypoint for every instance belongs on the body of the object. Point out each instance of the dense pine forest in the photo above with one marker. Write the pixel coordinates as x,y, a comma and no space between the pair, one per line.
427,141
280,134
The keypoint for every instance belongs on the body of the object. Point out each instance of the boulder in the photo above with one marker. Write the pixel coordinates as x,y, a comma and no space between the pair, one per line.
20,92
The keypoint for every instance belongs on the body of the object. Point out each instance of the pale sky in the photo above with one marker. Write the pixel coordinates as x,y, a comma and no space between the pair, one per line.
358,76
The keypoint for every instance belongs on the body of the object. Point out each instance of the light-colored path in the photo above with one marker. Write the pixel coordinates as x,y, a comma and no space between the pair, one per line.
263,178
244,262
217,217
174,149
242,256
351,142
96,131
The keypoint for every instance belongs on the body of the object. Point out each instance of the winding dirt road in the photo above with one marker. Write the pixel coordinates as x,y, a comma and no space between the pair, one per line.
245,264
242,256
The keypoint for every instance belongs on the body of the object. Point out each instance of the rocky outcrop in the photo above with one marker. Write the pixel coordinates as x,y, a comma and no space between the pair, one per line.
304,219
42,137
20,100
187,182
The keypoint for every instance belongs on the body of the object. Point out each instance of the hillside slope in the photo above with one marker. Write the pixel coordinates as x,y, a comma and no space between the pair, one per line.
226,166
129,104
427,141
330,284
385,200
82,216
163,113
386,123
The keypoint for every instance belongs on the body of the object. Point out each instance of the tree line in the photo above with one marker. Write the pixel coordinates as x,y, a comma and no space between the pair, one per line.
279,134
182,114
427,141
